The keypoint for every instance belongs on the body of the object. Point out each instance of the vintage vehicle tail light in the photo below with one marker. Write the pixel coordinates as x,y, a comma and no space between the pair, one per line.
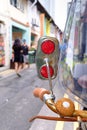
48,47
47,56
44,73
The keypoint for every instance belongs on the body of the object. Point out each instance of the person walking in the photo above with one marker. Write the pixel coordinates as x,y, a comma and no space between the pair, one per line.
18,56
25,53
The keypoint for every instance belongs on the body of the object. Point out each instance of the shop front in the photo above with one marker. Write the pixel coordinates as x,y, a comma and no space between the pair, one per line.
2,44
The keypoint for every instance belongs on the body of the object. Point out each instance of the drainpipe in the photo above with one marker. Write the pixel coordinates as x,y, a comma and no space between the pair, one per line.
29,16
33,3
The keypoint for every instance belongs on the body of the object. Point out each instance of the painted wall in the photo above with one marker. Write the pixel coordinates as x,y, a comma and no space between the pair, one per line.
18,15
42,18
47,27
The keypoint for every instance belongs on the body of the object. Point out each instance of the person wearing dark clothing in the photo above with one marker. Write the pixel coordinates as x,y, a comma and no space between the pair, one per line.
18,58
25,53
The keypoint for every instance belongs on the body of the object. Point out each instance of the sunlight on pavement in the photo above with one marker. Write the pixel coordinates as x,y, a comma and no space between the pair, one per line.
76,107
60,124
6,72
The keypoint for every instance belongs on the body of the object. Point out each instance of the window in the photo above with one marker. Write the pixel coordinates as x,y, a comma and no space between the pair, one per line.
13,2
19,4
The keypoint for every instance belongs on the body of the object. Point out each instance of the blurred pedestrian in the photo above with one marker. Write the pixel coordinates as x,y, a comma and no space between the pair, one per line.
63,48
18,56
25,53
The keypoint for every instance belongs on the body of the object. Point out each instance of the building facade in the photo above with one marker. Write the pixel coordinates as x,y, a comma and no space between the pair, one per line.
24,19
13,24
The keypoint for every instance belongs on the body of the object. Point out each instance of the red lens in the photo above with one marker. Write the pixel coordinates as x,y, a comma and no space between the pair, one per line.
44,73
48,47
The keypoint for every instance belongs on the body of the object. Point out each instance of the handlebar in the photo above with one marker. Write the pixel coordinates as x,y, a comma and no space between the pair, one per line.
64,107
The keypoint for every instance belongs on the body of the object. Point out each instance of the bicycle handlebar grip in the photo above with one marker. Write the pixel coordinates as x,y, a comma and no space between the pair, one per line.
39,92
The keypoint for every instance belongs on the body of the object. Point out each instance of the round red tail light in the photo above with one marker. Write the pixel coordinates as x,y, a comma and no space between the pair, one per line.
44,73
48,47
